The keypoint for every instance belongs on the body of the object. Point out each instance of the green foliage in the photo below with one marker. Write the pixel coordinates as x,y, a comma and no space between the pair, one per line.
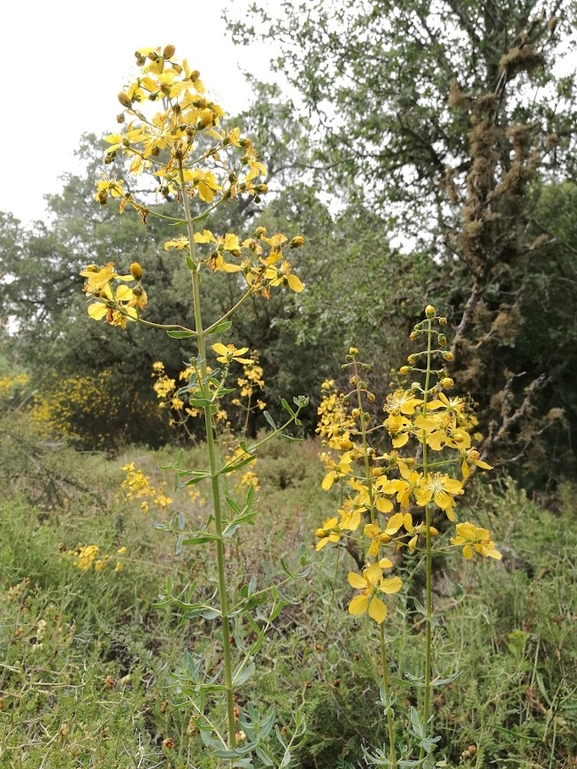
451,139
510,629
375,81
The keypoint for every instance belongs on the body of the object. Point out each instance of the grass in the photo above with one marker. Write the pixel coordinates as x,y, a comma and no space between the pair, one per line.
90,665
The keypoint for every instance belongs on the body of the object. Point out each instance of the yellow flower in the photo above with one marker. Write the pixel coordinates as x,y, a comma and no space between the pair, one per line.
328,532
440,488
402,402
405,485
179,243
371,583
284,276
472,457
227,353
350,517
473,538
337,471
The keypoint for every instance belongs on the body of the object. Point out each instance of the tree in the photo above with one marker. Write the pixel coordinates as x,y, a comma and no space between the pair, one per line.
447,119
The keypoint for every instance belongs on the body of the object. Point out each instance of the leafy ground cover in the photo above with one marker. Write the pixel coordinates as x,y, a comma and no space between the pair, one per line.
93,670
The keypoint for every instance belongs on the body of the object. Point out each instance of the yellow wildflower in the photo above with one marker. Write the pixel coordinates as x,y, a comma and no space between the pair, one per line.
370,583
474,538
441,488
328,532
227,353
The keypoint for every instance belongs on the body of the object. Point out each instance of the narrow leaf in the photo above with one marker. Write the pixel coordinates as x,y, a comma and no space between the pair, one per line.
181,334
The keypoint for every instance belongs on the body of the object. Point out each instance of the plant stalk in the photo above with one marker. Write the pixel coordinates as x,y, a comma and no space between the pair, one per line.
214,477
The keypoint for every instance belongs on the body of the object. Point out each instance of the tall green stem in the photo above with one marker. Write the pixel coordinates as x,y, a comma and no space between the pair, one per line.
428,546
214,477
387,688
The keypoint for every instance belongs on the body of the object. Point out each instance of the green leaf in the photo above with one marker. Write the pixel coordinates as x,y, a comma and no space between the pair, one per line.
190,264
233,505
197,476
288,437
220,327
181,334
201,539
286,407
419,607
237,465
270,420
200,403
240,750
447,680
243,674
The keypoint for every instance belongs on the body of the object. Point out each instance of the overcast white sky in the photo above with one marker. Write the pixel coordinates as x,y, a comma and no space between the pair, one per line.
66,60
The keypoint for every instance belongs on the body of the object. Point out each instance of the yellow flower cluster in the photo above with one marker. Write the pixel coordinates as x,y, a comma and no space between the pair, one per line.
335,422
137,485
63,404
9,385
188,154
168,392
115,301
385,490
261,258
250,382
88,556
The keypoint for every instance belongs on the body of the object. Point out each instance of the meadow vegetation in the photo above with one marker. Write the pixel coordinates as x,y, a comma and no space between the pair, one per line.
91,664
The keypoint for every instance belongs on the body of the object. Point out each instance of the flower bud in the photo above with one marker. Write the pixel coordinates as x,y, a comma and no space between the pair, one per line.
448,356
412,359
297,241
169,51
442,340
405,370
413,336
261,189
260,232
124,100
135,270
446,383
442,321
430,311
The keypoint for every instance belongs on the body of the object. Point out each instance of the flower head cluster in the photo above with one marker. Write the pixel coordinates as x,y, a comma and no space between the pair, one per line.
137,485
114,300
389,496
171,131
88,556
